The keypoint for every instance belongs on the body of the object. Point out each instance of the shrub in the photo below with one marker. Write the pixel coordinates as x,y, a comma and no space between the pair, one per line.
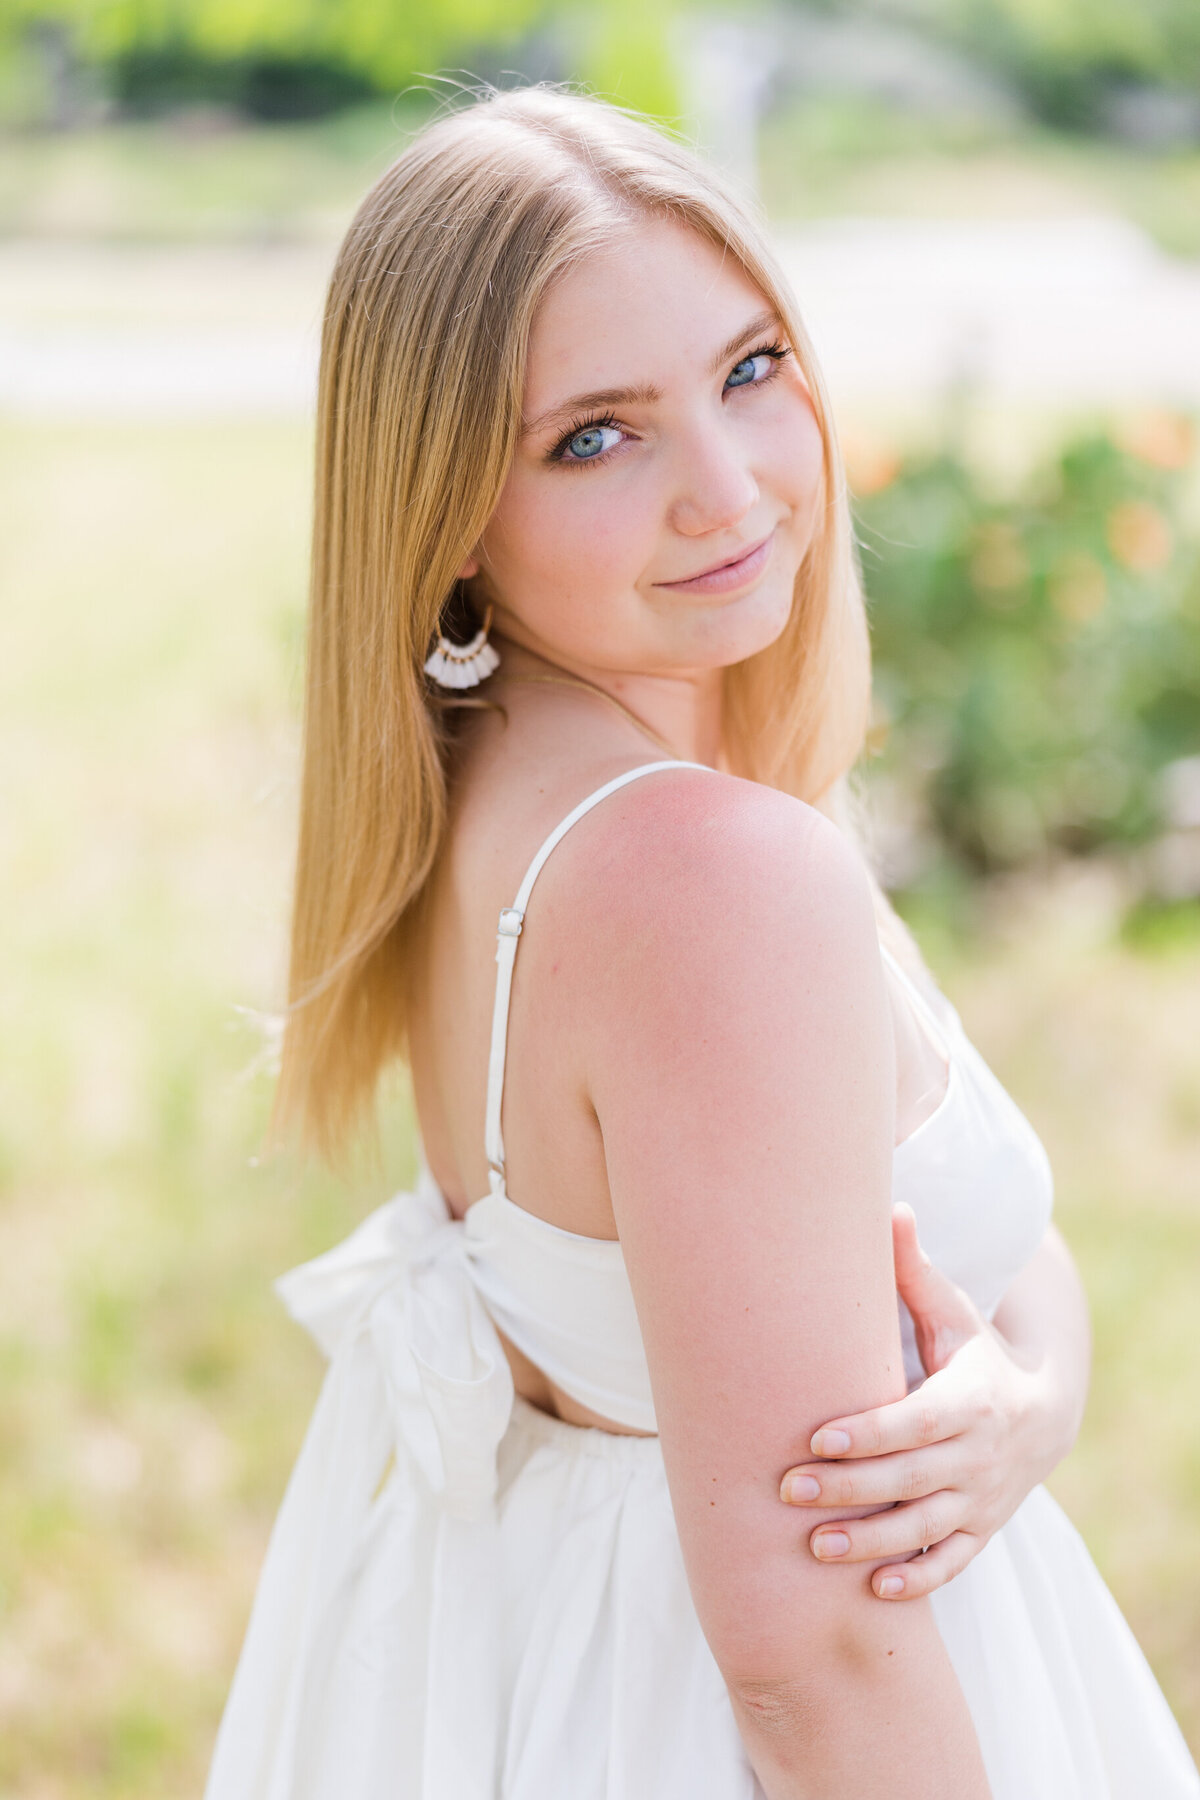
1038,655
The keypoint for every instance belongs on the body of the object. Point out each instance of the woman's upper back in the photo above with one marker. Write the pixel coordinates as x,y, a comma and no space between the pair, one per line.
554,1233
510,795
514,785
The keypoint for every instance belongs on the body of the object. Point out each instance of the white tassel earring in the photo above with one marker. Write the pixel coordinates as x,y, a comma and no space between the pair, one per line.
454,665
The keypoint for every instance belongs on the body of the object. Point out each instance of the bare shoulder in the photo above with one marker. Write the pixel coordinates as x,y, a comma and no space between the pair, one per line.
697,867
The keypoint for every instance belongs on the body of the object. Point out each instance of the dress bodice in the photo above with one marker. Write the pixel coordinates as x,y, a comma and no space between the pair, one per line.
974,1172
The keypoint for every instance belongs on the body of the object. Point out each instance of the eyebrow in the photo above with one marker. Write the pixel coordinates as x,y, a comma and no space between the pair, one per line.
645,393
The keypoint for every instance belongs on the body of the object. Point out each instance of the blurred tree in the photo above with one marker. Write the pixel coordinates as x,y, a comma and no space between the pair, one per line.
245,52
388,39
625,52
1068,57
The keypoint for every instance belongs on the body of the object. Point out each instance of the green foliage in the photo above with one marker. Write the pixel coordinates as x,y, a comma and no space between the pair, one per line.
298,58
288,58
164,79
626,53
1066,56
1156,40
1038,656
267,58
1163,927
389,39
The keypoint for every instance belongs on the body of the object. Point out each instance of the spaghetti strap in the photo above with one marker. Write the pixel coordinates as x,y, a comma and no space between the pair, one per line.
509,930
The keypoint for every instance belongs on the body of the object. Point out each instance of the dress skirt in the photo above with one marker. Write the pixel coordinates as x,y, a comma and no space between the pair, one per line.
558,1656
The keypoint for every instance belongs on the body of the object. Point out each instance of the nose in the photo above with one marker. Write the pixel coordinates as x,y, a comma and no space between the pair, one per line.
716,485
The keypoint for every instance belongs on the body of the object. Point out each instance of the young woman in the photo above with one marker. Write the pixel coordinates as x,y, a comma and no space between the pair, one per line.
585,612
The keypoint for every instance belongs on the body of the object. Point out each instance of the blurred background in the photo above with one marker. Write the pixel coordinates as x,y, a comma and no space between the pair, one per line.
991,212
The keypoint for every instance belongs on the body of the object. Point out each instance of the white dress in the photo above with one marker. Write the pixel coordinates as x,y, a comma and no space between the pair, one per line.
466,1599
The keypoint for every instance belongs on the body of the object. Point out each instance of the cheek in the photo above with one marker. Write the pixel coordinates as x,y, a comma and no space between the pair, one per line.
568,532
796,453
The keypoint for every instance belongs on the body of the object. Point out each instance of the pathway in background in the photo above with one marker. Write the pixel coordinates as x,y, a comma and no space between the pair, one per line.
1054,313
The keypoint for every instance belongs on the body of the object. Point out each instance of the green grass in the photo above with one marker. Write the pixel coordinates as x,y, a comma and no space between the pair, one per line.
1098,1043
206,178
152,1392
829,156
151,1389
200,178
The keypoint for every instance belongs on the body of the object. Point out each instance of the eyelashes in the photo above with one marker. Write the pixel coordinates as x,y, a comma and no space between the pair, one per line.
775,351
607,421
596,422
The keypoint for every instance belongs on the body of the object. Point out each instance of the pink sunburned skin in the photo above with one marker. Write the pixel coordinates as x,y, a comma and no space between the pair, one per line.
729,575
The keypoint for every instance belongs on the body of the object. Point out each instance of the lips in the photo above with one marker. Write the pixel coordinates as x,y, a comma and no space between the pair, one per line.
731,573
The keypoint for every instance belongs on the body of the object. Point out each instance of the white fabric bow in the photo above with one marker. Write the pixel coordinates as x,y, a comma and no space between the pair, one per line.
417,1372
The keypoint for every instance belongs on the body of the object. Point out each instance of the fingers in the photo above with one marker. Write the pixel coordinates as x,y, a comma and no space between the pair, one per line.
920,1418
922,1574
897,1532
944,1317
910,1260
871,1482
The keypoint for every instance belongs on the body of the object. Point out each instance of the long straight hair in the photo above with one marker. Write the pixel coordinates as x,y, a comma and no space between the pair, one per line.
422,372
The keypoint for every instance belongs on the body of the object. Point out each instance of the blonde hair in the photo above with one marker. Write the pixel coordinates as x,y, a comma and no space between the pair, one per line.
422,372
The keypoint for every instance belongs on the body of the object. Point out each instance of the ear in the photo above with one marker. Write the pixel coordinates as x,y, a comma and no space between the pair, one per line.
469,568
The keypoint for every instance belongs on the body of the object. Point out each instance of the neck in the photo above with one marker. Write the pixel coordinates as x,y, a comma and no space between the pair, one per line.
681,710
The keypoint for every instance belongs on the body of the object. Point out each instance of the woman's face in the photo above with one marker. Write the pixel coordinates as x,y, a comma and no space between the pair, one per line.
666,484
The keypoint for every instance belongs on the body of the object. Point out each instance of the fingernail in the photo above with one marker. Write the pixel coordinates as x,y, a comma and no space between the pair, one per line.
830,1543
830,1443
801,1487
891,1584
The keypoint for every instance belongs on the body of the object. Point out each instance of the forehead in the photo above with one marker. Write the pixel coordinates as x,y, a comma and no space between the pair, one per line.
655,302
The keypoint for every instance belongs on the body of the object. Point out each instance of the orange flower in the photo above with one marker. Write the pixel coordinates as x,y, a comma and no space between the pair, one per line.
1165,439
1138,535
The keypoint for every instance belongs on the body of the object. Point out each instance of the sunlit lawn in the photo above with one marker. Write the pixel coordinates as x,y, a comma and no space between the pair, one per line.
152,1392
207,179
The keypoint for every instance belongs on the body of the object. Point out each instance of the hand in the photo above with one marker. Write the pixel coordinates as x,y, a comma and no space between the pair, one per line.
950,1462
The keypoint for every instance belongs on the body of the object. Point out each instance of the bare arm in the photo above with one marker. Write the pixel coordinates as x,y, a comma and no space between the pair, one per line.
741,1066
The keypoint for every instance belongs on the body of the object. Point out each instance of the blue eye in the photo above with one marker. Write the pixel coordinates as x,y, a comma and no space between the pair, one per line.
752,369
591,442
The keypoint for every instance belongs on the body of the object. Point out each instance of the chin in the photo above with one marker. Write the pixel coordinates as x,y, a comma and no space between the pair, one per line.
751,623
